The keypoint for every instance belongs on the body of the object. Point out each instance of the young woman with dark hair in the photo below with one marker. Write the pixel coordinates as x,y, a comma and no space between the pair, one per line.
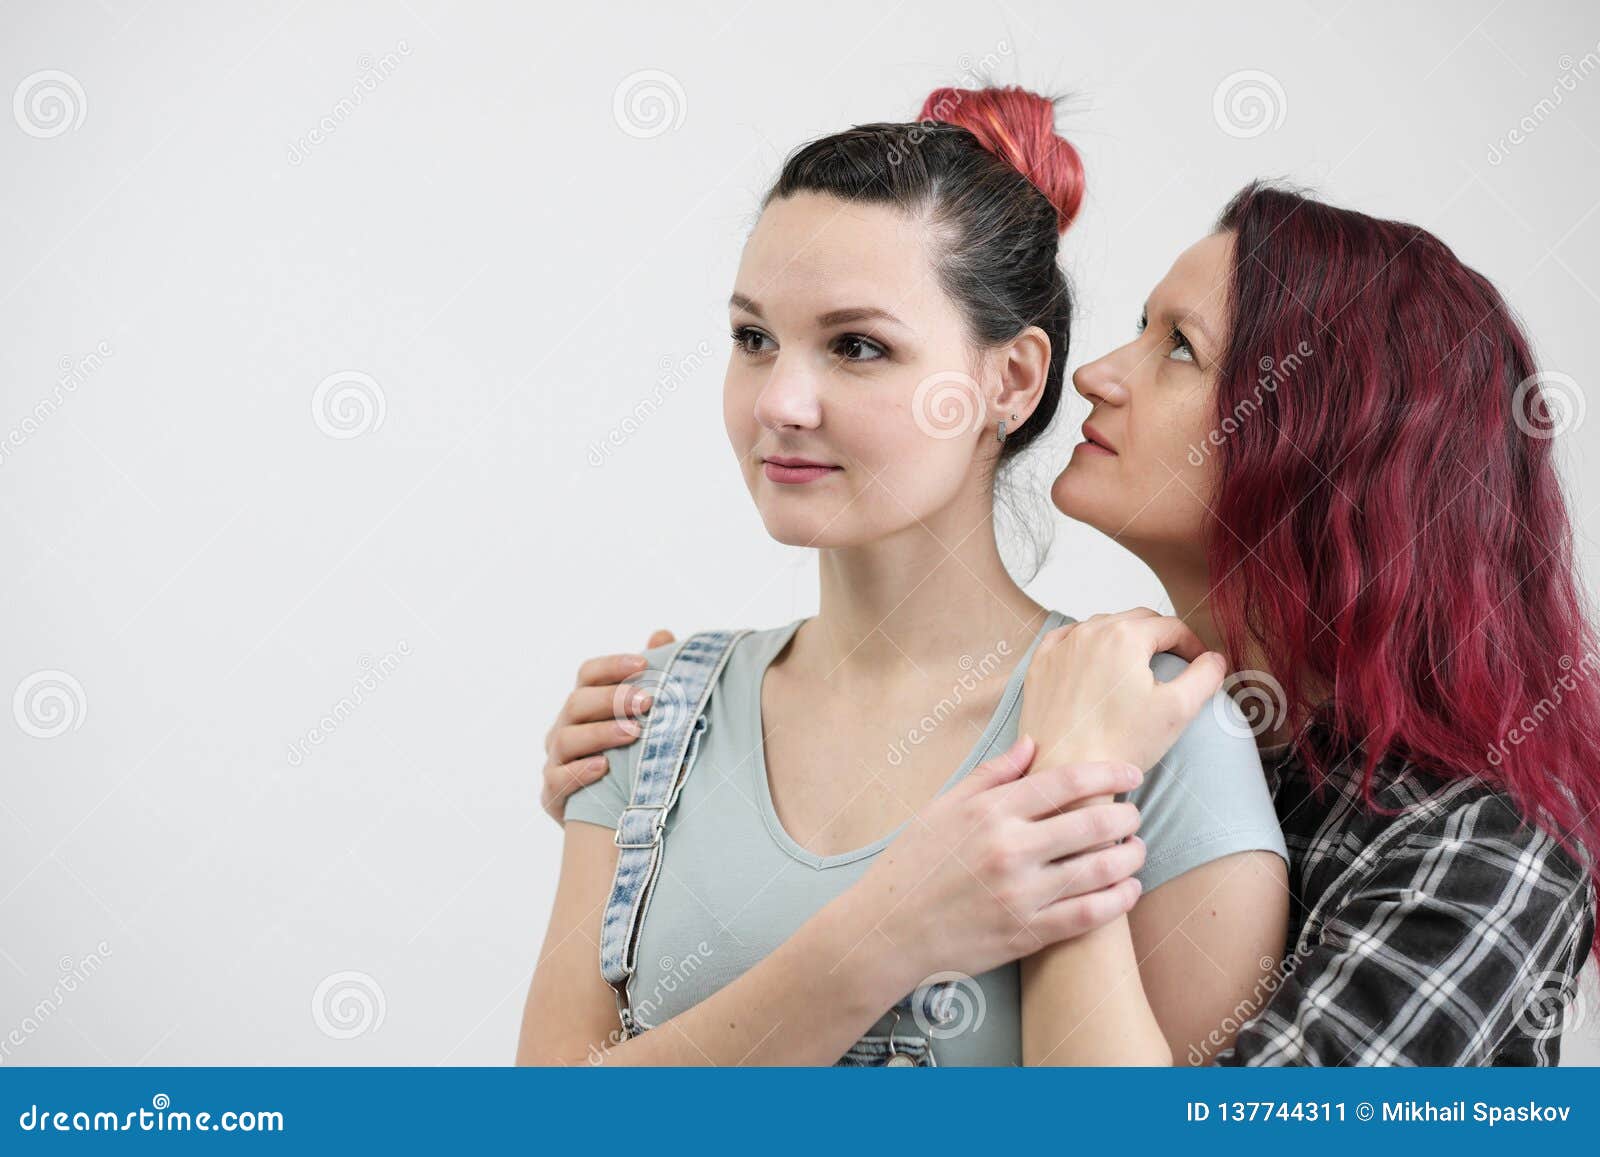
1329,442
900,329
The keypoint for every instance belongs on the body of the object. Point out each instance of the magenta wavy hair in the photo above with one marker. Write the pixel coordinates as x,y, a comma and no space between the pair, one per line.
1392,537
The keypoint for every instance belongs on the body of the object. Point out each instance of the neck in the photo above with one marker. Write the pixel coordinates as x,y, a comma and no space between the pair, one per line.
911,603
1189,587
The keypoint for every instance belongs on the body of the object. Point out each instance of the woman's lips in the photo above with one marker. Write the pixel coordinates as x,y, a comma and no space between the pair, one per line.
795,471
1093,443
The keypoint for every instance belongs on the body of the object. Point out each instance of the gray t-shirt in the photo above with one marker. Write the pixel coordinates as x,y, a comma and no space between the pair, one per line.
734,884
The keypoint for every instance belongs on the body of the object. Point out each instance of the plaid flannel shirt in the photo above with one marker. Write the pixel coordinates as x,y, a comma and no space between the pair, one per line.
1448,932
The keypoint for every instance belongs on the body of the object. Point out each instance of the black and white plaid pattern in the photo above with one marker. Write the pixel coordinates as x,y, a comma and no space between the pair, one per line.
1446,932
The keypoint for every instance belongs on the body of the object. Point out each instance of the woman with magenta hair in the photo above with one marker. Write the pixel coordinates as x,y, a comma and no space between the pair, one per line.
808,862
1326,441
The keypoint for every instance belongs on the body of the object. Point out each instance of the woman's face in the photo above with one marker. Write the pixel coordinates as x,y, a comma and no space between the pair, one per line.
853,398
1143,474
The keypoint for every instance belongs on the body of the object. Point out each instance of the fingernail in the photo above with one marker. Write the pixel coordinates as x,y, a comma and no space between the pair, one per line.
641,703
636,662
595,763
1133,775
628,727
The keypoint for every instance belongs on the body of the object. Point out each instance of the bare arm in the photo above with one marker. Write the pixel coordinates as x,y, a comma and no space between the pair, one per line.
796,1007
1084,1003
1169,983
1208,943
1141,989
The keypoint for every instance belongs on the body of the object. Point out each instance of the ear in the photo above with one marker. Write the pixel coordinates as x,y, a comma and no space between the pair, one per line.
1017,374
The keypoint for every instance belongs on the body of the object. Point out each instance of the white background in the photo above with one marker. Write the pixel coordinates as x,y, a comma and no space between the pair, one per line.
515,271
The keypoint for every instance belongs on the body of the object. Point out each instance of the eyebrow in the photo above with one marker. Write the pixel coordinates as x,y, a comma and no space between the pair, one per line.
832,317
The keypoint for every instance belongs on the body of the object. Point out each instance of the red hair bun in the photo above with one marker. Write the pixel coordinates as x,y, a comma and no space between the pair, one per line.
1019,127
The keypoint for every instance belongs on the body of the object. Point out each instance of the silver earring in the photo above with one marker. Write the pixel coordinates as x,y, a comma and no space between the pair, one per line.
1001,433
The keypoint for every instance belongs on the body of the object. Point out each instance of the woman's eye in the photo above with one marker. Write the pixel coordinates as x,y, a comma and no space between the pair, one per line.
749,339
1181,350
855,348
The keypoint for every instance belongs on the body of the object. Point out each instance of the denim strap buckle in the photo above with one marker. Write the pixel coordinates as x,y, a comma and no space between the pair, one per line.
656,825
667,750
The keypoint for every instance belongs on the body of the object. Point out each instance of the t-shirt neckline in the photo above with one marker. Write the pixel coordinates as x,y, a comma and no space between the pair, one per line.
980,750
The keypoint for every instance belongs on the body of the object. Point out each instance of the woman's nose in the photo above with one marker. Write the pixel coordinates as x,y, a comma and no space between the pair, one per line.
789,398
1103,380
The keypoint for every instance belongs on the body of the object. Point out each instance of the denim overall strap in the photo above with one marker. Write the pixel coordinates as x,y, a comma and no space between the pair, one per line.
670,741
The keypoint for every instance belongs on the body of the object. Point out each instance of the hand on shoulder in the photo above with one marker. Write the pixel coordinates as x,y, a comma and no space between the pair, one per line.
1091,694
